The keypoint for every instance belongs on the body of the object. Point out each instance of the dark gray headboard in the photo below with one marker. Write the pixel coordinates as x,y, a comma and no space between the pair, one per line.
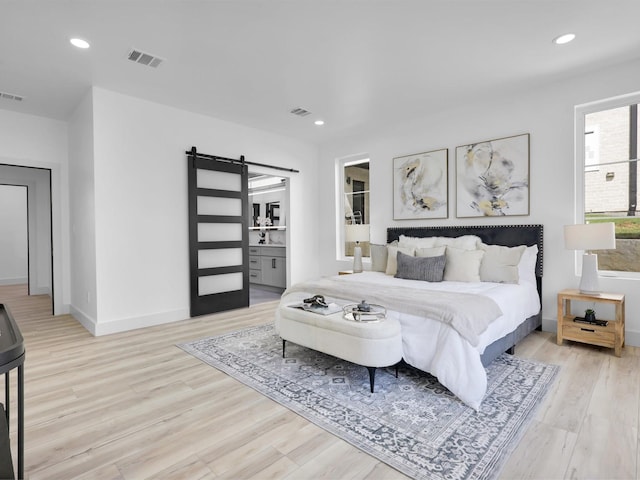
506,235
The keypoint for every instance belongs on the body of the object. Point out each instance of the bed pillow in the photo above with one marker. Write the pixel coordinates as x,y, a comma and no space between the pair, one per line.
500,264
428,269
392,262
430,252
464,242
527,266
378,258
463,265
417,242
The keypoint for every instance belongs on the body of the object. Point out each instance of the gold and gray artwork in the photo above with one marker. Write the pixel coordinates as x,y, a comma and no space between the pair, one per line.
493,177
420,185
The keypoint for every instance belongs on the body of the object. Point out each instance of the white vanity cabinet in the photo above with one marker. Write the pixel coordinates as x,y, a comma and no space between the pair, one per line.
268,265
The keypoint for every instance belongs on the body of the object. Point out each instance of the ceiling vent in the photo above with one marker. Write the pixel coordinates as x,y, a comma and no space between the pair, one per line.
300,112
145,58
11,96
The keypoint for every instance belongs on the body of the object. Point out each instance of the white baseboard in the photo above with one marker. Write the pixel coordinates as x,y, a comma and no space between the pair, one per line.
132,323
125,324
632,338
14,281
84,320
549,325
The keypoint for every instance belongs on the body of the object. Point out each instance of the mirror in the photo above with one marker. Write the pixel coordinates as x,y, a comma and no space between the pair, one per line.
273,212
255,214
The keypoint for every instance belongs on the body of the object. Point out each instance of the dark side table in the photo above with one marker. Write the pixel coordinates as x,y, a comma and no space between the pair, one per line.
11,356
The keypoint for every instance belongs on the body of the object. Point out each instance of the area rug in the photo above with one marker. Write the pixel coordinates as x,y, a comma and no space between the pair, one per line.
411,422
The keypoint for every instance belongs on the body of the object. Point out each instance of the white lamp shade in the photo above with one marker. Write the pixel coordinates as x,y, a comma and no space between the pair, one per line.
357,233
590,236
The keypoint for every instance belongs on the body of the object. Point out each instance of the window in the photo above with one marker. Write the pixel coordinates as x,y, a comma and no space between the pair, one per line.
610,177
353,206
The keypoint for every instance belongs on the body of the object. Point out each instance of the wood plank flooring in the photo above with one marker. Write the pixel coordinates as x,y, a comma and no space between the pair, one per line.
134,406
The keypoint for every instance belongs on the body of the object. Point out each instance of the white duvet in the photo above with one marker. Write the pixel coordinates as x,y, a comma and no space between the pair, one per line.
435,347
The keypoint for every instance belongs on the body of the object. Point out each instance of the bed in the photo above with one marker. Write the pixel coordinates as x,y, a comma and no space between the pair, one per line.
453,346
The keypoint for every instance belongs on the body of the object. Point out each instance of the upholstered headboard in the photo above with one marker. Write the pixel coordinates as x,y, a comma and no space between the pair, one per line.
506,235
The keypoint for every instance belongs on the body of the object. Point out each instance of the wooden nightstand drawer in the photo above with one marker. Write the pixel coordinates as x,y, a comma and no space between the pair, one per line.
593,334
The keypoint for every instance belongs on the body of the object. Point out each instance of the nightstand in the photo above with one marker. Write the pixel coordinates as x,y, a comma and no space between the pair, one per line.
611,335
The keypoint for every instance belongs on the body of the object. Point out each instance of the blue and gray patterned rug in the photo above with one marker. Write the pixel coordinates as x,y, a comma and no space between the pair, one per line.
412,423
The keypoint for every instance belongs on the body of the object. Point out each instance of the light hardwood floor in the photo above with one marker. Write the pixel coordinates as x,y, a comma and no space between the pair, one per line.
134,406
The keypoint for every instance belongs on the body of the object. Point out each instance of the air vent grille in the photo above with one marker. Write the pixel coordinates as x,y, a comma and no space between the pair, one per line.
11,96
145,58
301,112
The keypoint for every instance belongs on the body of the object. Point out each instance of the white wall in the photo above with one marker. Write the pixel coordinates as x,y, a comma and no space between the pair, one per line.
27,140
39,201
141,229
547,114
82,240
13,234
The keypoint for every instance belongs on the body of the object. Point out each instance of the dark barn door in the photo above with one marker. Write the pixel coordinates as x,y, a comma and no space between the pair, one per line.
218,233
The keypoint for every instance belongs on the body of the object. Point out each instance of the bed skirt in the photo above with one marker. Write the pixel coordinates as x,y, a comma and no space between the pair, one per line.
511,339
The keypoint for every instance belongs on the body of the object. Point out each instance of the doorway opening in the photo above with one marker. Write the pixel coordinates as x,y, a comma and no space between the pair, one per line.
35,185
268,236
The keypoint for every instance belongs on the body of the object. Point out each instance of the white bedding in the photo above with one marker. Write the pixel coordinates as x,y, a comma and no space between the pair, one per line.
435,347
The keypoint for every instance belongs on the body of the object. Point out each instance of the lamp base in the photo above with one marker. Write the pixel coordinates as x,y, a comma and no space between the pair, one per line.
357,259
589,283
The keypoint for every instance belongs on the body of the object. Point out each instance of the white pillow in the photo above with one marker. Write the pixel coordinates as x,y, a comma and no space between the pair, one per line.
378,257
527,266
500,264
430,252
465,242
463,265
392,260
417,242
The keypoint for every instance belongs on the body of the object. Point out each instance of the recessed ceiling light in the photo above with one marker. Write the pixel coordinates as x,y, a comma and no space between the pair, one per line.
319,122
80,43
562,39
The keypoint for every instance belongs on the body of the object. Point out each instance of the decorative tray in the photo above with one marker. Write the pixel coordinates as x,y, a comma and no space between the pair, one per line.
354,312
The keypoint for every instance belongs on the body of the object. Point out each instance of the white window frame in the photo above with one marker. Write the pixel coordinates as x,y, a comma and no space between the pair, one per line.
581,111
341,163
594,165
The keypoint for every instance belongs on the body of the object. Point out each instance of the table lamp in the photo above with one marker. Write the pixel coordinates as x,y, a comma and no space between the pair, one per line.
357,233
587,237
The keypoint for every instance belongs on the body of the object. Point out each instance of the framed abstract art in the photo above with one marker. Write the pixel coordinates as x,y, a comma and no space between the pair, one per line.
420,185
492,178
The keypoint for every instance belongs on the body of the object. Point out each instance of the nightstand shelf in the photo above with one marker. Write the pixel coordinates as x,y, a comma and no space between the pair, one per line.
611,335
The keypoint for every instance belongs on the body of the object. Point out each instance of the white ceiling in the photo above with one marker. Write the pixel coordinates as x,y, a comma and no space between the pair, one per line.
357,64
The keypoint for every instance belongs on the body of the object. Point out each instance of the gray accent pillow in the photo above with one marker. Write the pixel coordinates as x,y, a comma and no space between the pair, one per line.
428,269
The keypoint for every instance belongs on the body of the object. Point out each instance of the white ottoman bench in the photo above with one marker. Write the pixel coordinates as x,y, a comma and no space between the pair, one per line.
370,344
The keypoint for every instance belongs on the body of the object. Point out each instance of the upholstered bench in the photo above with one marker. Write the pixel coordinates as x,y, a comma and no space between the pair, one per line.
370,344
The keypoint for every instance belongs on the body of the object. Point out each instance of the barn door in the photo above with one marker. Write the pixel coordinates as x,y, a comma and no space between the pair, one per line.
218,233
